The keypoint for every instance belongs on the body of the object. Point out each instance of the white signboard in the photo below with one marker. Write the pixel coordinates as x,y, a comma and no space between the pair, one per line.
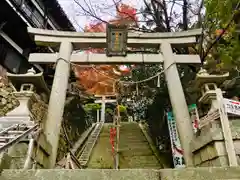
232,106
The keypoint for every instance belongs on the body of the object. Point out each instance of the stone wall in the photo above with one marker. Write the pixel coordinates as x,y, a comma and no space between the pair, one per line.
230,173
7,100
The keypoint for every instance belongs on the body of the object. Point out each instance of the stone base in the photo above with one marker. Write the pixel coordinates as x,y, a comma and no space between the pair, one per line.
209,148
125,174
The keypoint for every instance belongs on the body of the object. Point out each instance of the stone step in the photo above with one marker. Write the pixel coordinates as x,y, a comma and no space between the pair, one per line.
132,135
135,134
209,173
135,129
88,174
142,159
140,166
132,139
133,147
134,152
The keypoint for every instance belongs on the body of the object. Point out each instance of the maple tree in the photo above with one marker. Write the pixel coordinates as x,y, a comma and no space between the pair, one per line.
101,79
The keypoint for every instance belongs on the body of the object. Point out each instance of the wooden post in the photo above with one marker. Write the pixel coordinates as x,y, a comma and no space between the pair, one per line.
227,134
118,136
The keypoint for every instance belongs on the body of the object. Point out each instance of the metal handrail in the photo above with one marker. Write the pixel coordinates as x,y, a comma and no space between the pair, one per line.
18,138
90,145
7,129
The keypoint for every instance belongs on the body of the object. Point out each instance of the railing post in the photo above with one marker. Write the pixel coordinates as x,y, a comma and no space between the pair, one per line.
29,154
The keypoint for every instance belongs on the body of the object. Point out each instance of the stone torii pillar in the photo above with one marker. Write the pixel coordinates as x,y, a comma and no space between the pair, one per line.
98,118
178,101
98,40
57,99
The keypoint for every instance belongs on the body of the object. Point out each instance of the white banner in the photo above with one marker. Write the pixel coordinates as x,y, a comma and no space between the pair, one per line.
177,151
232,106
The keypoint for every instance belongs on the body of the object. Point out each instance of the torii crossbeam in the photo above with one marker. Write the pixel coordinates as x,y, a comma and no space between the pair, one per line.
69,41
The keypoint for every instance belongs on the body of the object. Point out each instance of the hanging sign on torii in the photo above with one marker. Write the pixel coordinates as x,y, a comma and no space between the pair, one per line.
69,41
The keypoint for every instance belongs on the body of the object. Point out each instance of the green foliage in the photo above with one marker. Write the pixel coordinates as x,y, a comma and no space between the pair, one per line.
225,53
122,109
92,107
109,111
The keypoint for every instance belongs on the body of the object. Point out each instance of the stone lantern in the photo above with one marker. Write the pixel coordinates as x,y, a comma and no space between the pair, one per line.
24,86
207,84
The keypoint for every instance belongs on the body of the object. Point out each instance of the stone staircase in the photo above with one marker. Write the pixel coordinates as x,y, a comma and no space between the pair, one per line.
135,151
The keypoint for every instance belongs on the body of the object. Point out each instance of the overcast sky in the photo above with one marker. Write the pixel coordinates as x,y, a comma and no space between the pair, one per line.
100,6
105,9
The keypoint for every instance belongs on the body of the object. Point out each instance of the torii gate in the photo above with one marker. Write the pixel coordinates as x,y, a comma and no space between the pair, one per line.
69,41
103,102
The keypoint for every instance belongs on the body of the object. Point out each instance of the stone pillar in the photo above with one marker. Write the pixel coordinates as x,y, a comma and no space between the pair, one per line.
103,109
178,101
98,111
57,100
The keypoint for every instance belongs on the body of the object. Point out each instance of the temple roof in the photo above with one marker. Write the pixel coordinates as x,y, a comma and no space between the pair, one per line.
58,14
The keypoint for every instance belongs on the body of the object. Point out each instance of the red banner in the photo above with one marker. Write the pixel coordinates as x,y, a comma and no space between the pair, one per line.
112,137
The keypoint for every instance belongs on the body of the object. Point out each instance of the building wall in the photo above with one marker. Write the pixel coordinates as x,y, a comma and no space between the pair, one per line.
15,17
